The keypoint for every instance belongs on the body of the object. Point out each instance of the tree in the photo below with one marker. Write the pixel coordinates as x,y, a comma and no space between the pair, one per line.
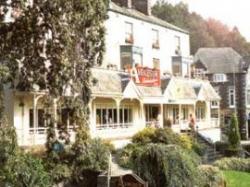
165,165
203,33
51,46
234,134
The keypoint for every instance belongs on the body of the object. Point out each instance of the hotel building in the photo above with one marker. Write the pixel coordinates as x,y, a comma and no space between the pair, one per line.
144,80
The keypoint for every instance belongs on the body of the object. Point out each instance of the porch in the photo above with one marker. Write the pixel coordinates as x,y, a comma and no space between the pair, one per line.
29,118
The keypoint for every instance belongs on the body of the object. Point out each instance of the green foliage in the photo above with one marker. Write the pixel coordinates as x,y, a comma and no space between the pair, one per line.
165,136
211,176
25,171
144,136
234,134
198,148
165,165
237,164
91,156
8,142
203,33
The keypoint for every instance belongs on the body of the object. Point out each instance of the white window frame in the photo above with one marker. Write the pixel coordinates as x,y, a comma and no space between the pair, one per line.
219,77
155,39
231,92
214,104
129,32
177,45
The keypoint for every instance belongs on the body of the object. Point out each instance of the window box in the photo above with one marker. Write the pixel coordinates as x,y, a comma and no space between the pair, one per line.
156,45
130,40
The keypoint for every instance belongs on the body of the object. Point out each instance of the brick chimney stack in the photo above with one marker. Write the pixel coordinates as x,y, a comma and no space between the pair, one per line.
143,6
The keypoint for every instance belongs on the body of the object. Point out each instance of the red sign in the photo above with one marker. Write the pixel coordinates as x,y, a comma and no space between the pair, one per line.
147,76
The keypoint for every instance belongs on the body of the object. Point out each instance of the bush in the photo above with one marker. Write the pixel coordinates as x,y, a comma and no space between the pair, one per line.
93,156
211,176
8,142
24,170
234,134
237,164
198,148
144,136
165,165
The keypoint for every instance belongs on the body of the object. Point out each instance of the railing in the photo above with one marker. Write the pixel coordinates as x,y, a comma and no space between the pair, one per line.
113,126
153,123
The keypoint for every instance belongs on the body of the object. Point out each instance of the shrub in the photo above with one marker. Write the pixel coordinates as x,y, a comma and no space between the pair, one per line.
234,134
199,149
211,176
8,142
24,170
144,136
238,164
93,156
186,142
165,165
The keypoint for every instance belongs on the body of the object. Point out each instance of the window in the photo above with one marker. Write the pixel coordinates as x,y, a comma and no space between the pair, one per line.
185,113
41,118
175,115
199,73
248,97
129,33
106,115
156,63
177,43
220,78
151,112
176,68
155,39
126,115
231,92
200,112
214,104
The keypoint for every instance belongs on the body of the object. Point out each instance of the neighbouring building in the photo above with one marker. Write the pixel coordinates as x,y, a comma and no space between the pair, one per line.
229,74
145,80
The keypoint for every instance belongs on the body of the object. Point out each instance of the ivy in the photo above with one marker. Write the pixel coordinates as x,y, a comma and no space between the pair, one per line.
51,46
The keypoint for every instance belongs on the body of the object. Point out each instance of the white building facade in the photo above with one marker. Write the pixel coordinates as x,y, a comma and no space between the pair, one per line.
144,81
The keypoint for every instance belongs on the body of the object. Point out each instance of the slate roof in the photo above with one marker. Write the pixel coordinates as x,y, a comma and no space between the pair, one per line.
114,83
138,15
147,91
181,89
219,60
109,82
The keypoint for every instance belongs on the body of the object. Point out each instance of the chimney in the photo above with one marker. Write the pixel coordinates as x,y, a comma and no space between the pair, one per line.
143,6
124,3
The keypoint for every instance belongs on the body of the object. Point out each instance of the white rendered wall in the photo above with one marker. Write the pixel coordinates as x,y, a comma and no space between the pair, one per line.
142,33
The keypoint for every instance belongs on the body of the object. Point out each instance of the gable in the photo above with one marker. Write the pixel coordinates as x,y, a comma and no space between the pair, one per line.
131,91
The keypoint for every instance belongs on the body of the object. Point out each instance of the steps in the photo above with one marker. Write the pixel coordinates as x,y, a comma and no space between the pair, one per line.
211,154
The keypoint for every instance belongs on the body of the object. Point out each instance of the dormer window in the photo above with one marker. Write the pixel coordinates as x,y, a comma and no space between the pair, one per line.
219,77
155,39
129,38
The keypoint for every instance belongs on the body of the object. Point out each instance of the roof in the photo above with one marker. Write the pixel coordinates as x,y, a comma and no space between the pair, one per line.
180,89
219,60
204,90
147,91
148,18
175,89
109,82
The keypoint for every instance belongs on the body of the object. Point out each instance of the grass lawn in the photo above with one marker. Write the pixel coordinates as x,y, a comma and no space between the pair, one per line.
237,179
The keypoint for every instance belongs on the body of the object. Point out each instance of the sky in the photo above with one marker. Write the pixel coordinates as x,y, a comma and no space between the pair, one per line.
230,12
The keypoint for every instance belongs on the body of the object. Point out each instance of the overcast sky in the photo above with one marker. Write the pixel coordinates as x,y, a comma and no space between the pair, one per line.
230,12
